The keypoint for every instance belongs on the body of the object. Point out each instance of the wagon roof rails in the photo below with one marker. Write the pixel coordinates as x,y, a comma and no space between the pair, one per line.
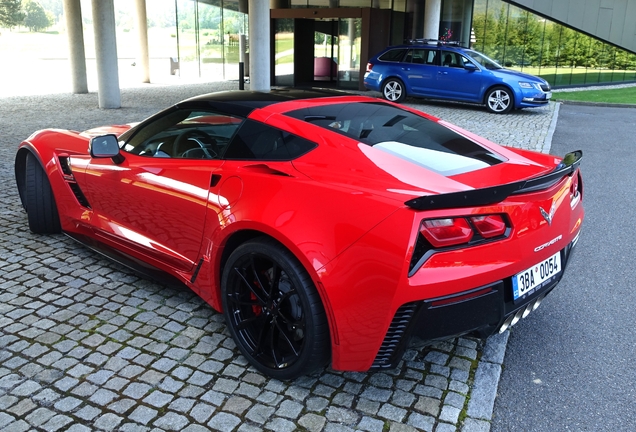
437,42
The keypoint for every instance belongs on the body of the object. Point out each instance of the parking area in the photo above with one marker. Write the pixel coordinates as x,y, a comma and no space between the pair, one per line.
86,344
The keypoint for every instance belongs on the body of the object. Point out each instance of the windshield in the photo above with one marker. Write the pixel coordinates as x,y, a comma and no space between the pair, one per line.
486,62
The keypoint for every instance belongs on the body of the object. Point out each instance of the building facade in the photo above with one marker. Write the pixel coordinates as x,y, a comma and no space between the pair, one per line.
328,44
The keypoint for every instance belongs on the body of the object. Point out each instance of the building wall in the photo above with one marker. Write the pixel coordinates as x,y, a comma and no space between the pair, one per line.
612,21
521,40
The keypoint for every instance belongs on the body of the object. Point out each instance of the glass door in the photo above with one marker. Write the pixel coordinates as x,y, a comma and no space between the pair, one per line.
349,33
284,52
325,50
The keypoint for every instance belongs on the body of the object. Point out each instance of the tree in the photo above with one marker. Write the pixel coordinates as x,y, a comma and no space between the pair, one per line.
10,13
36,18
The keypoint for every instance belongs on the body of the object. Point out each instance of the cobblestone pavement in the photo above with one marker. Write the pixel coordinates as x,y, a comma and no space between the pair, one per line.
86,344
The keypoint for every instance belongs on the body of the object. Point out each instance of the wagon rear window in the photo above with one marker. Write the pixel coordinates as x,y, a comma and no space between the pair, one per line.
402,134
393,55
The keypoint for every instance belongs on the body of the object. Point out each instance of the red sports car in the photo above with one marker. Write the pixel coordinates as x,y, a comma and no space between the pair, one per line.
326,227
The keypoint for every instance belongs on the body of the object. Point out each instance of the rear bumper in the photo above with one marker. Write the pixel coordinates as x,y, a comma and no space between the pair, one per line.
480,312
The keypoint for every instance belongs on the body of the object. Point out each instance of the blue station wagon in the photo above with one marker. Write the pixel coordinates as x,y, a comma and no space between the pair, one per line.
437,70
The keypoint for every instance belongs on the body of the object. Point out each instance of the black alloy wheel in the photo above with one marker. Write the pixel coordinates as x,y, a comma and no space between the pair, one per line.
273,310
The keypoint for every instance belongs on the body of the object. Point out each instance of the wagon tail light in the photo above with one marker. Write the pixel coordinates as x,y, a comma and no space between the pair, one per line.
436,235
369,67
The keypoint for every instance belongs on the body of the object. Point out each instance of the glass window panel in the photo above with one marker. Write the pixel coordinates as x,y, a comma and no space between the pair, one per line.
349,38
399,5
320,3
355,3
234,25
284,52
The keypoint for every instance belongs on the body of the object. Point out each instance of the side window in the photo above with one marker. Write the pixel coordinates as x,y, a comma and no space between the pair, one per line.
464,60
257,141
184,134
453,59
421,56
394,55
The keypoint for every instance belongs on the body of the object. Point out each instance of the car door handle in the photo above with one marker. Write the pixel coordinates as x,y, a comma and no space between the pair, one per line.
406,69
442,73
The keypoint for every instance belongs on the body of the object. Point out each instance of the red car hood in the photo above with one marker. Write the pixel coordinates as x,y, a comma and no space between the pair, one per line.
104,130
372,170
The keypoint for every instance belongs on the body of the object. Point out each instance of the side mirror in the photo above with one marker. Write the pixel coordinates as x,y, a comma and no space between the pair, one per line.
470,67
105,146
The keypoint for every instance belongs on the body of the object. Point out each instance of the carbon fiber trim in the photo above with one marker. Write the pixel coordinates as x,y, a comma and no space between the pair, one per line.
393,344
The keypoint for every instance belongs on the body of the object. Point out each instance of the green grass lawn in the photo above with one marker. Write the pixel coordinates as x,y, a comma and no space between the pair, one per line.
564,76
625,95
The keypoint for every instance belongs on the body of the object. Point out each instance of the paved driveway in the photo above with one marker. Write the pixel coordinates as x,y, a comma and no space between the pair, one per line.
570,365
86,344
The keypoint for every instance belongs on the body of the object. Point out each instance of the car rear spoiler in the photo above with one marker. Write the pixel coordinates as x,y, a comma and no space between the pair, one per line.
496,194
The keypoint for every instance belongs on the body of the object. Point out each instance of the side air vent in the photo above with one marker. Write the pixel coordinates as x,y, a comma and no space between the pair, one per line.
394,340
65,166
79,195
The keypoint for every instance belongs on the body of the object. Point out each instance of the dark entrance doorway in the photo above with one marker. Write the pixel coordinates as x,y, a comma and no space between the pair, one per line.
325,47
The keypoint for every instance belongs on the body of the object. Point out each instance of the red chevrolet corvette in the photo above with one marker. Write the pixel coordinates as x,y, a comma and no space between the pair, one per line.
327,228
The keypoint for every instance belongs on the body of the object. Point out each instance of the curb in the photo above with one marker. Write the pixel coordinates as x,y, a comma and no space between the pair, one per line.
596,104
488,374
547,143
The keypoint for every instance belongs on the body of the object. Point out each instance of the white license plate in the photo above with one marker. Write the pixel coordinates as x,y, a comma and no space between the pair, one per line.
548,95
537,276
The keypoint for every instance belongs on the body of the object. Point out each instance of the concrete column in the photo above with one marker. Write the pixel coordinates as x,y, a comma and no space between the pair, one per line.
108,94
432,13
260,73
142,35
466,21
77,57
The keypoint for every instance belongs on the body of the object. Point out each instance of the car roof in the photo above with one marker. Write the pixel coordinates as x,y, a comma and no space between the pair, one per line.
427,45
242,102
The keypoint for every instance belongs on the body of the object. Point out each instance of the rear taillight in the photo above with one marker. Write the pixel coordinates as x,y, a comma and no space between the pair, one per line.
446,232
437,235
369,67
460,230
489,226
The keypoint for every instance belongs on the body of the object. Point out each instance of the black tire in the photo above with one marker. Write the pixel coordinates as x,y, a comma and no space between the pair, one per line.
393,90
40,202
273,310
499,100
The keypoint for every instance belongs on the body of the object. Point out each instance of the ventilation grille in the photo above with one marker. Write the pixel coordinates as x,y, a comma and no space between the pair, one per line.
79,194
65,166
545,87
394,336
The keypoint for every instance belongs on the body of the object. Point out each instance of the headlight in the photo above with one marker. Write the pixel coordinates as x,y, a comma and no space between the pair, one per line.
527,85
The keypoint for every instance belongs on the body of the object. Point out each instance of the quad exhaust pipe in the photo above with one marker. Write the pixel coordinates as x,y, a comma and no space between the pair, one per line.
521,313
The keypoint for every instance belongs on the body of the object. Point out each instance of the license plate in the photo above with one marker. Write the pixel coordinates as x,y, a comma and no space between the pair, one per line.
536,277
548,95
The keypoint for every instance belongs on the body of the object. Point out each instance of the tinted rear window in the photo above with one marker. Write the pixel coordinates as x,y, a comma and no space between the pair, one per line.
393,55
402,134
